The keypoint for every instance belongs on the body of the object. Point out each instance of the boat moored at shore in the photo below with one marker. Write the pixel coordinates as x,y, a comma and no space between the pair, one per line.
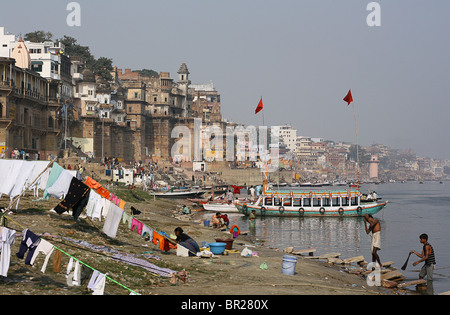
304,203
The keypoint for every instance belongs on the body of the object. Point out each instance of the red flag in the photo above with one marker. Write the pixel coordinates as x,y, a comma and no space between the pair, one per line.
260,107
349,97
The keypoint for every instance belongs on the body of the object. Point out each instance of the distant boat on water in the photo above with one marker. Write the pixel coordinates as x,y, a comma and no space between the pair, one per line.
178,193
221,207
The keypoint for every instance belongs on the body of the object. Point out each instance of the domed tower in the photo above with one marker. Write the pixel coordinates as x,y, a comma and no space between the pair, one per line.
183,73
21,55
183,84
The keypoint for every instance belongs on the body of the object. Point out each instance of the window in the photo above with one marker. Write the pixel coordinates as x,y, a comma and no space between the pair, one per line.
297,202
36,68
129,109
287,202
316,202
326,202
277,202
306,202
90,92
336,202
345,201
268,201
354,201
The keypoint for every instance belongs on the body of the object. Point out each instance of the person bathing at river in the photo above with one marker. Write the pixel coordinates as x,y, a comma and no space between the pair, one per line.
217,221
375,228
427,256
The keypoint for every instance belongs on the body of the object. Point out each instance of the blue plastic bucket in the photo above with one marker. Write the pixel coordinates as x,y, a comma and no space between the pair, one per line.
206,223
217,248
289,263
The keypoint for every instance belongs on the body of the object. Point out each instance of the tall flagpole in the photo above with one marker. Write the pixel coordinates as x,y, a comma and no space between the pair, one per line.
266,174
357,146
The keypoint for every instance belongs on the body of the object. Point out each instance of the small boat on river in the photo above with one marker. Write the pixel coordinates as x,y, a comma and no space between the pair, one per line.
221,207
182,193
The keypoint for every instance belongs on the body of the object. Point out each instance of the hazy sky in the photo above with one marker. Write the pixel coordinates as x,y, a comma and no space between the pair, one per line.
302,57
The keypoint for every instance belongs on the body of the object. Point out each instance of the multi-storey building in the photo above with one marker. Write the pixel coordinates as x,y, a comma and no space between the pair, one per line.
206,103
26,119
288,135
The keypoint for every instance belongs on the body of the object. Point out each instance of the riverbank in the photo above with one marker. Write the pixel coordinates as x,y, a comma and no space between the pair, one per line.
229,274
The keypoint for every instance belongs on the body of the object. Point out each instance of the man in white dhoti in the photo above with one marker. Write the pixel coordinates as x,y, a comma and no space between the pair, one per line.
375,228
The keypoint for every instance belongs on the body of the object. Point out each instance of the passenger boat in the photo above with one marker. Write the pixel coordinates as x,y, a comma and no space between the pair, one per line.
306,203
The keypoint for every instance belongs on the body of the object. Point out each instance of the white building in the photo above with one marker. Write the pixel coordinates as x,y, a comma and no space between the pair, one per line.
7,43
46,58
288,135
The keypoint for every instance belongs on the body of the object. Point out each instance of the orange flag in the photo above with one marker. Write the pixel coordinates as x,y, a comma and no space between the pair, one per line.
260,107
349,97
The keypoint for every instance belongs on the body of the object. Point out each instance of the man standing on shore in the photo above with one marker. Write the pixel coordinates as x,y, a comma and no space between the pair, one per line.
375,228
427,256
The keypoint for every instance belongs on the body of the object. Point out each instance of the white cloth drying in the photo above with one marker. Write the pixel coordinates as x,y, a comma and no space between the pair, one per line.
7,238
97,283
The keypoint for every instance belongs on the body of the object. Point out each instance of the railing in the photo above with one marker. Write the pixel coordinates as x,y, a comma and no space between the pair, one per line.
5,84
31,94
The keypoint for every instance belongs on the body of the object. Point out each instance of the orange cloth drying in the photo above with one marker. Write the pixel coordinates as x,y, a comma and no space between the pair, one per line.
92,183
103,192
163,243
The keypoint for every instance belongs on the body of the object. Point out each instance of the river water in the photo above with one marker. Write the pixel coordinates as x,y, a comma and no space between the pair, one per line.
413,209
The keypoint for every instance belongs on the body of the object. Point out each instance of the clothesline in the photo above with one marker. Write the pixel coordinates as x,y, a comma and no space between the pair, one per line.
81,262
103,193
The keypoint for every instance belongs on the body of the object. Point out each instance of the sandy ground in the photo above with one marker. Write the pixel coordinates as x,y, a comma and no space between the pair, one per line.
229,274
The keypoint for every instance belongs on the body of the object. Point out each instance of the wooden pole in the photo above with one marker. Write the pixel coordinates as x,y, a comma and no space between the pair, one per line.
357,146
266,173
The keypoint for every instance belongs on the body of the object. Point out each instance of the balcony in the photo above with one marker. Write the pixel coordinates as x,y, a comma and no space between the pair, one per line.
77,76
36,96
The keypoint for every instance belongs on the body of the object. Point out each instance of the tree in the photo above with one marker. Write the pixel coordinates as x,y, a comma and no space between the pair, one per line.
101,67
76,50
38,36
364,157
147,73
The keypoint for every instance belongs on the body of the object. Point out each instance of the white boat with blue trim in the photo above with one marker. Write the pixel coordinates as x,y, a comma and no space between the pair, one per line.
312,203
